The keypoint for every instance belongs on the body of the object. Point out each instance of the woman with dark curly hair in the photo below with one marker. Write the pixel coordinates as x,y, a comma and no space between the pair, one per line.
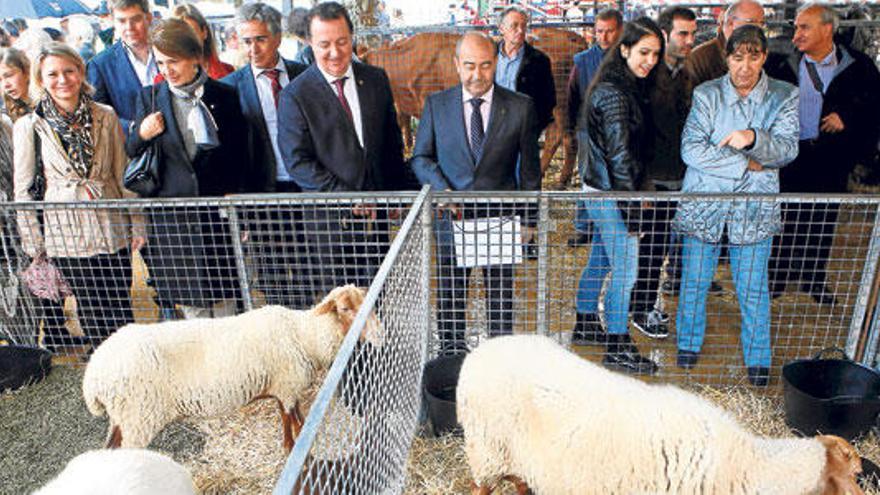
615,117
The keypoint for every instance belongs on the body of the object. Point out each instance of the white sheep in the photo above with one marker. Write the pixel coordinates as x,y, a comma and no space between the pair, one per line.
541,416
146,376
128,471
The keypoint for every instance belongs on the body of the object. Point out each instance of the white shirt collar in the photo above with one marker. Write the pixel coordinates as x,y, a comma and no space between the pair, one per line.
487,96
331,78
279,65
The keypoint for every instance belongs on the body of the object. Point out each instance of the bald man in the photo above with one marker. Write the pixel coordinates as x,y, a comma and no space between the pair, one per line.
839,116
470,138
707,61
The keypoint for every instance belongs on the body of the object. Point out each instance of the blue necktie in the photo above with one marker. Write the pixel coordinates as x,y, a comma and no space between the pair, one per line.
477,133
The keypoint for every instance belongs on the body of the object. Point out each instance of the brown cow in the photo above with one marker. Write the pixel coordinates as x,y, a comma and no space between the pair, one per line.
422,64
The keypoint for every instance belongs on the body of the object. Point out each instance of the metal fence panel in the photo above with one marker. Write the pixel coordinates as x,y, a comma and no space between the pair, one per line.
356,438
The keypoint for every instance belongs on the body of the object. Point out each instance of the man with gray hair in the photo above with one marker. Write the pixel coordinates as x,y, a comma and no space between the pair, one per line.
522,67
259,86
839,115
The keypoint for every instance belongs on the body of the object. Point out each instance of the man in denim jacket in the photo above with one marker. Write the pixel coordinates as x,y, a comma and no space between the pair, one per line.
741,129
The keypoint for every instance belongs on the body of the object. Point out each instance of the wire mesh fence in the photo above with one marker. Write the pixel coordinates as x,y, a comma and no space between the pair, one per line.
356,438
681,289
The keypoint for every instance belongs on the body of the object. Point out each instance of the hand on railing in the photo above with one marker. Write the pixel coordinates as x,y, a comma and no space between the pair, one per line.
453,209
364,210
137,242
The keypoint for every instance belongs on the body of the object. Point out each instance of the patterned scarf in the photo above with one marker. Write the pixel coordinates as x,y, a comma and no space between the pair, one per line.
74,130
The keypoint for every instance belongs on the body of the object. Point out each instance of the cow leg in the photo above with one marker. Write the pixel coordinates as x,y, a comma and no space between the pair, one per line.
569,148
114,437
405,123
551,144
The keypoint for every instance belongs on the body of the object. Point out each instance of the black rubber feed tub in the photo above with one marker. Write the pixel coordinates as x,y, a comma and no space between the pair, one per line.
831,396
438,384
21,365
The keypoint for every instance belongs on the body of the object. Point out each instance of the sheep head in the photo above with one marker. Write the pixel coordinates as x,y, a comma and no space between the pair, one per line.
841,466
345,302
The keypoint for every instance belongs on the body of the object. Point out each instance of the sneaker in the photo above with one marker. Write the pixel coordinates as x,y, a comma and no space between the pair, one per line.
622,355
651,323
588,330
759,376
687,359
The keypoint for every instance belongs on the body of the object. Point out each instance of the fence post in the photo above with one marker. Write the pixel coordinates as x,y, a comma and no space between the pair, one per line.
543,228
244,281
427,244
866,306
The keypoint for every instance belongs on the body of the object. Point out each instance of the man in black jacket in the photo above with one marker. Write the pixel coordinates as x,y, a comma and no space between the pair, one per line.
839,113
522,67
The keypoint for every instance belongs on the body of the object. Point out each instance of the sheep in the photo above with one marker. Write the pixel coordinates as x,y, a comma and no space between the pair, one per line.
129,471
540,416
146,376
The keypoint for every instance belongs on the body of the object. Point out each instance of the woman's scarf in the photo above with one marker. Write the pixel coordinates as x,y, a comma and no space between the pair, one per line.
15,107
198,118
74,130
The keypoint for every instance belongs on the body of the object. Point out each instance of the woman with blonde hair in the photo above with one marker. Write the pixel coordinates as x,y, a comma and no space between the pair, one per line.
188,13
76,145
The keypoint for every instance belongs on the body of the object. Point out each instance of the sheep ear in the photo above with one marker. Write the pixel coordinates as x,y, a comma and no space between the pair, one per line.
328,305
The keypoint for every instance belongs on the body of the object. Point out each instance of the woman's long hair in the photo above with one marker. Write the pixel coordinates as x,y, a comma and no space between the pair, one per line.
13,57
614,68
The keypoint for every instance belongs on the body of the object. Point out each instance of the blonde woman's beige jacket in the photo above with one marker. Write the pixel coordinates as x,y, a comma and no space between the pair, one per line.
74,232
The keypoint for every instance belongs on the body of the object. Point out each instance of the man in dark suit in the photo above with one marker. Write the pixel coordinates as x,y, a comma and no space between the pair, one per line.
119,73
337,131
471,138
522,67
279,246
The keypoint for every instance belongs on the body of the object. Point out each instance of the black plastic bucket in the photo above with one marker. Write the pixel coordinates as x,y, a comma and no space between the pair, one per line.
831,396
20,365
439,382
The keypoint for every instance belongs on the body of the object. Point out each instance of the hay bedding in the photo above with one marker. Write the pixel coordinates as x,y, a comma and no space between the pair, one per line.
47,424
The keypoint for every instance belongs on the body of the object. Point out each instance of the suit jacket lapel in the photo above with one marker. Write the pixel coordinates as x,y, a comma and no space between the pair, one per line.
366,95
456,110
251,96
324,91
122,60
497,115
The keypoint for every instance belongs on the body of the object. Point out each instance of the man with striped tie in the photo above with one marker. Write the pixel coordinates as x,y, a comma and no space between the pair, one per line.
470,138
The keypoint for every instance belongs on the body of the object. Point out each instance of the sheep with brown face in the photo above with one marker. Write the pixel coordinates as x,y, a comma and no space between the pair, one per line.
545,418
146,376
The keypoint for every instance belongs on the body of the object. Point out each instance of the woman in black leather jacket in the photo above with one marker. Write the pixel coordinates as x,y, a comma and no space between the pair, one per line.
615,117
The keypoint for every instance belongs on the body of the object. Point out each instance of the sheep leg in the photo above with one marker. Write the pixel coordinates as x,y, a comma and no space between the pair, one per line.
521,487
296,418
114,437
480,489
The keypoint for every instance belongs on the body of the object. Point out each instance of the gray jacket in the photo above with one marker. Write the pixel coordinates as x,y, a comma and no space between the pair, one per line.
771,110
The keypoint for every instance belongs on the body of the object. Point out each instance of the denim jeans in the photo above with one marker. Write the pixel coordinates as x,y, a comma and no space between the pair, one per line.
748,263
613,250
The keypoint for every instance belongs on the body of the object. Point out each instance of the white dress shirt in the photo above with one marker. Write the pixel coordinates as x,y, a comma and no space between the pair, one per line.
146,72
469,109
270,113
351,94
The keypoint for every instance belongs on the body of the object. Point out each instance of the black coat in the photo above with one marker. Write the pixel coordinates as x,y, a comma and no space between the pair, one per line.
854,94
189,249
265,167
318,141
535,79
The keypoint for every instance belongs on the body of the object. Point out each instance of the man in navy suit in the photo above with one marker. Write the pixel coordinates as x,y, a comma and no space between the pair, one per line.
119,73
337,131
280,246
470,138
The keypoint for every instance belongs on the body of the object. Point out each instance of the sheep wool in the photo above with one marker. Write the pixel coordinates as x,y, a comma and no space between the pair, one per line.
145,376
128,471
532,409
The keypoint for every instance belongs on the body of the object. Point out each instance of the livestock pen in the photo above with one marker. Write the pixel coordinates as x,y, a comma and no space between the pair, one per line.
358,434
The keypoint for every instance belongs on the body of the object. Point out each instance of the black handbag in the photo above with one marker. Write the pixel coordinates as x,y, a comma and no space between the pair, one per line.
37,189
142,172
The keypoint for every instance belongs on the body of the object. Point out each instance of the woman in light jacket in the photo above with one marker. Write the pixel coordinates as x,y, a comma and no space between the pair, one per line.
81,150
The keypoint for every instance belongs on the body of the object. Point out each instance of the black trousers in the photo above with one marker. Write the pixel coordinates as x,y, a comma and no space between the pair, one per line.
452,288
654,245
282,257
801,252
102,286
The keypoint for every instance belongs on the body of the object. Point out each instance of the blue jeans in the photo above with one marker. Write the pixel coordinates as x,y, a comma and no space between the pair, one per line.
748,262
613,250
